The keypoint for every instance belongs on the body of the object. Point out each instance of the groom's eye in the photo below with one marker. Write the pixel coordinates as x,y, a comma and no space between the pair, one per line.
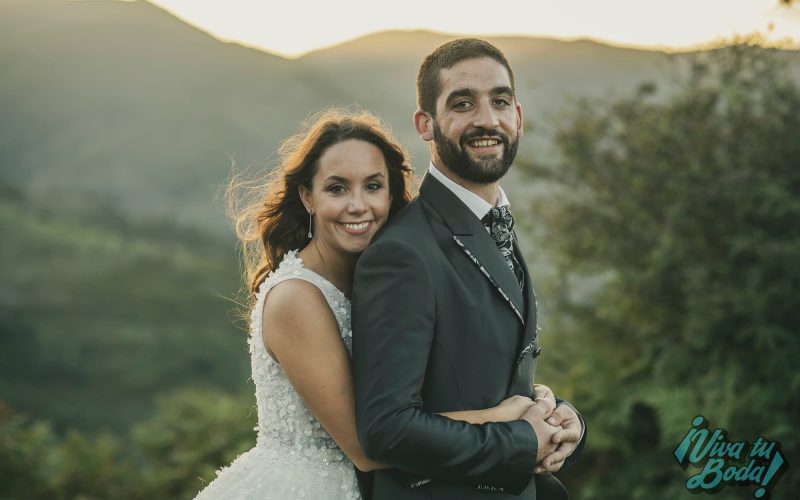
462,105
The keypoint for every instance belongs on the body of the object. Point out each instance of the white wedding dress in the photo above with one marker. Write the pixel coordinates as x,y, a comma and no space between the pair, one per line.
294,458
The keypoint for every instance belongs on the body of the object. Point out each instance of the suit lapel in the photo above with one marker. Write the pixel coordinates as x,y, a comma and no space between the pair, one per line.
473,239
524,370
530,342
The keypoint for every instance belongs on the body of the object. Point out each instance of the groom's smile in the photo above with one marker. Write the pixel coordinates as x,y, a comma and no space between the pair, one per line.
482,145
477,122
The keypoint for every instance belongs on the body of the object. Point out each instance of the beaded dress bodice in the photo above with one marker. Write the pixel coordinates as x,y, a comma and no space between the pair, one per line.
294,458
284,421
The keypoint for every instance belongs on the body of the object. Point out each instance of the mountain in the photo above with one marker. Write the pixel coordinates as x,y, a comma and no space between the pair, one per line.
546,70
124,102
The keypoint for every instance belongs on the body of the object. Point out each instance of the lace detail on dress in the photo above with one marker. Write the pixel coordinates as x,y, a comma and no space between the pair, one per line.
291,443
282,416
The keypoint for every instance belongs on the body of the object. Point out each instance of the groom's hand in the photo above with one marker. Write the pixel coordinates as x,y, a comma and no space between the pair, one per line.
545,433
566,439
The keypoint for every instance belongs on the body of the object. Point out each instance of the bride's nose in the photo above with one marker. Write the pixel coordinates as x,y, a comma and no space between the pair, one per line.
356,203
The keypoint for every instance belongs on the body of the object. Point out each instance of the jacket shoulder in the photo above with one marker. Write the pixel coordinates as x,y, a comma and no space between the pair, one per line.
407,225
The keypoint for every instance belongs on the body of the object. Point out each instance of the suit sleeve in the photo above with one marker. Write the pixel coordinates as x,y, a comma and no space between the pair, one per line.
393,330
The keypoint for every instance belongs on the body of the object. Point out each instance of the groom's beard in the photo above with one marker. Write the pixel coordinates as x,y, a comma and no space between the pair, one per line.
480,170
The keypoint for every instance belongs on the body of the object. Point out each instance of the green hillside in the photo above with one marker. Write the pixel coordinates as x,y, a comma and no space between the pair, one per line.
100,315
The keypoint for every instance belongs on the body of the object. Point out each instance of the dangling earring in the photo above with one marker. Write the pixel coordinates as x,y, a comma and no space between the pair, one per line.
310,221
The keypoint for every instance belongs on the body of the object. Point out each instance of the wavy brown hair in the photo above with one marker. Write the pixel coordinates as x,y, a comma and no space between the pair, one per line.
269,216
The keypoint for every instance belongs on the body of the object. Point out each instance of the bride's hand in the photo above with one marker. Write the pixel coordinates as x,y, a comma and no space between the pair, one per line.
541,391
512,408
543,395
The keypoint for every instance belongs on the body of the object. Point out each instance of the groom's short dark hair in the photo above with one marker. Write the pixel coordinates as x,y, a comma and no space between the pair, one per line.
447,55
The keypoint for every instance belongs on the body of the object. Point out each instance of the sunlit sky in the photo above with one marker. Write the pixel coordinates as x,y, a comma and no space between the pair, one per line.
293,27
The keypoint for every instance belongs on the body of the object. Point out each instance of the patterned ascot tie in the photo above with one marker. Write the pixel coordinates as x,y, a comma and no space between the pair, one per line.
501,225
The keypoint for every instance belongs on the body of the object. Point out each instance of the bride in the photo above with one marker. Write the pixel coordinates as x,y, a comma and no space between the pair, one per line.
340,179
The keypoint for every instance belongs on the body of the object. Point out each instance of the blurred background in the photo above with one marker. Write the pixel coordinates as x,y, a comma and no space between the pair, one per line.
657,190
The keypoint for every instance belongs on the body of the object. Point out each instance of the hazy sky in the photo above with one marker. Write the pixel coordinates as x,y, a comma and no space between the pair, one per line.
292,27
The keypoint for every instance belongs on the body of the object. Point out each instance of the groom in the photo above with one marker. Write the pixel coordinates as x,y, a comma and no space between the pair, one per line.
444,314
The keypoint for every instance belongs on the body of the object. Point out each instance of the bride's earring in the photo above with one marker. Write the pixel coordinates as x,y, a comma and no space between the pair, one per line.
310,222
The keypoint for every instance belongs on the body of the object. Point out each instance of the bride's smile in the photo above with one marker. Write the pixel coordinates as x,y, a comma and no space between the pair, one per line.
348,198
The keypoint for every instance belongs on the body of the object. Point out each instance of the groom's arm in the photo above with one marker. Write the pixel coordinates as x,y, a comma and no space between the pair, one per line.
393,324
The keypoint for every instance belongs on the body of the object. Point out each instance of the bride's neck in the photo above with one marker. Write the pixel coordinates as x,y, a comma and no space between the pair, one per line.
336,267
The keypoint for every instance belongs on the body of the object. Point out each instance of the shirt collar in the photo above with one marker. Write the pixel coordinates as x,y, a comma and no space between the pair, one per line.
475,203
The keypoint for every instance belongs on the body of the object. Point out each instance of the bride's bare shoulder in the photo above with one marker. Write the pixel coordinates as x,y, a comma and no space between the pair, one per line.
296,306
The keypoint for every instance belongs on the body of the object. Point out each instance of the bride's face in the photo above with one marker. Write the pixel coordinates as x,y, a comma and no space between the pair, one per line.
349,196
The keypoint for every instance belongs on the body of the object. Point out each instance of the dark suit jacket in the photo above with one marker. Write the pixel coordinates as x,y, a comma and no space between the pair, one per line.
440,324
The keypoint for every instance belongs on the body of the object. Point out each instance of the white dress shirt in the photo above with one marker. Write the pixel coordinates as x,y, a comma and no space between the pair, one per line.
475,203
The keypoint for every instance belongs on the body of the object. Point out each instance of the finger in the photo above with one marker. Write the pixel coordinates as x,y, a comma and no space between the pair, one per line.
563,436
566,412
564,416
552,468
566,435
572,424
561,454
572,433
547,406
542,391
535,411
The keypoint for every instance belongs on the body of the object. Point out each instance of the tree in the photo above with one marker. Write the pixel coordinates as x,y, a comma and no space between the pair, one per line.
672,222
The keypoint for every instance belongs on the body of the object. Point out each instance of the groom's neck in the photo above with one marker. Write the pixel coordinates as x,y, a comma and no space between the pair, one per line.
486,191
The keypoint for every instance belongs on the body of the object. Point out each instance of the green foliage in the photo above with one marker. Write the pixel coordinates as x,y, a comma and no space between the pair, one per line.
673,224
36,463
171,455
194,433
99,315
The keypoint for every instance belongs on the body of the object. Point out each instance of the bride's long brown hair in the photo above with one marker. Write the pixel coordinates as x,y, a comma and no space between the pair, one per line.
268,215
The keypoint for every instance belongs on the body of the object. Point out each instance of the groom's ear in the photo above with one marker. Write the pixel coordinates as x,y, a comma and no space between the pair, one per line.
423,123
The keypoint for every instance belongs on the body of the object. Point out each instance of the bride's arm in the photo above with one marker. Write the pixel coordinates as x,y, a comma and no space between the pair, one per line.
301,332
509,409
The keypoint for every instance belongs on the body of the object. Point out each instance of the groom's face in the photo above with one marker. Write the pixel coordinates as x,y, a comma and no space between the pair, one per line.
478,121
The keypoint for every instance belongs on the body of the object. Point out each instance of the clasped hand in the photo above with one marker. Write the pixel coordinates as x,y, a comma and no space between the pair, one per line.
557,428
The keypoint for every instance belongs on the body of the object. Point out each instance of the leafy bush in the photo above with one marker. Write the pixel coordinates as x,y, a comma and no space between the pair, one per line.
673,223
170,455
